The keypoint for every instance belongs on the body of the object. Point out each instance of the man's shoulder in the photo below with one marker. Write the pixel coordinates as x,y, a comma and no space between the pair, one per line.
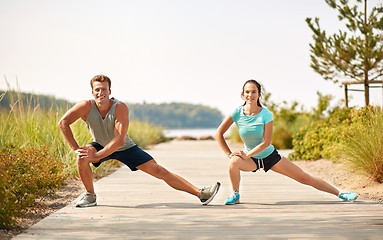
84,104
83,107
121,106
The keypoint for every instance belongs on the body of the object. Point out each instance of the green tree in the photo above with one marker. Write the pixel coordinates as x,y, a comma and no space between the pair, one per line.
322,106
355,54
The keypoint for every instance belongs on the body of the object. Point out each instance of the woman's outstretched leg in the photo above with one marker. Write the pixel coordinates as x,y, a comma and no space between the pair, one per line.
289,169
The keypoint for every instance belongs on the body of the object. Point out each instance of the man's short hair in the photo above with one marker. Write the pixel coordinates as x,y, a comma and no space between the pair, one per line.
100,78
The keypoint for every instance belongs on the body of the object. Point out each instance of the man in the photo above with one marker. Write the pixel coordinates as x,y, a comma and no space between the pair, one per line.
108,120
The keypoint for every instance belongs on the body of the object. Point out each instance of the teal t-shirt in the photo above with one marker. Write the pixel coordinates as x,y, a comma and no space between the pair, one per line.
252,128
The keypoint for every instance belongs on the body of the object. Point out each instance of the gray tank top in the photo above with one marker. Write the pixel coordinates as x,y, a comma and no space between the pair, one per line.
102,130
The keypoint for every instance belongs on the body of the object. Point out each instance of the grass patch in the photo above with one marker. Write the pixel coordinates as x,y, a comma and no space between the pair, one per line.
362,145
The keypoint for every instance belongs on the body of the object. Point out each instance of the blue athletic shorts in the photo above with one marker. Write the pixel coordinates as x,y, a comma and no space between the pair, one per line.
131,157
267,162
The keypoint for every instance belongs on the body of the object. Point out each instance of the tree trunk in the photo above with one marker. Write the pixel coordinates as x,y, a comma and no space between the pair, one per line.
366,93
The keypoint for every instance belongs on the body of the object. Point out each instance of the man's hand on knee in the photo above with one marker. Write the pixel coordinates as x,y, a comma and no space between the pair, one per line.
87,153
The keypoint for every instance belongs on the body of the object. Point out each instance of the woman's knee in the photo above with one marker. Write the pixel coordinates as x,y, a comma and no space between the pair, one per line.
234,162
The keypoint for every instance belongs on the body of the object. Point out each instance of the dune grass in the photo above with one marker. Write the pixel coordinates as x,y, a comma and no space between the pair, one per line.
362,147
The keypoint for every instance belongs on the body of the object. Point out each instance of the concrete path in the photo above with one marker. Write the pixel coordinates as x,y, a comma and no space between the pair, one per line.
133,205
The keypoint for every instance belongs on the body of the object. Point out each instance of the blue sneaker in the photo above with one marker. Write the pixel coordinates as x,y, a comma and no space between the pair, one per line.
233,199
349,197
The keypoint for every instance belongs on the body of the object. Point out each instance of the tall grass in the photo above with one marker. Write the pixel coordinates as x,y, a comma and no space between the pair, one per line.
24,126
362,147
145,134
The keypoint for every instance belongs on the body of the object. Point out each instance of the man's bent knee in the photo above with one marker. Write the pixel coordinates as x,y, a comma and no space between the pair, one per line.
82,161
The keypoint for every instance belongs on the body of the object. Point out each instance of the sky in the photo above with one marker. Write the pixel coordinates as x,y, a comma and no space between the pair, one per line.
162,51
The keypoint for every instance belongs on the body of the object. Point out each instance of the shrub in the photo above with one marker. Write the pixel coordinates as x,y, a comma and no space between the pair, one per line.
25,174
322,138
282,138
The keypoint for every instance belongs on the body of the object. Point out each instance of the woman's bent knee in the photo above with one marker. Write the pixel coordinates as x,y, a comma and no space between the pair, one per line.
234,162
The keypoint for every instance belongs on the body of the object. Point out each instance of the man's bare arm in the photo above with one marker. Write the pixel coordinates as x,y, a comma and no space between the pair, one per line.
80,110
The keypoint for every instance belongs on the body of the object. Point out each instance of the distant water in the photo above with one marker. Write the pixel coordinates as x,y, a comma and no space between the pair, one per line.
190,132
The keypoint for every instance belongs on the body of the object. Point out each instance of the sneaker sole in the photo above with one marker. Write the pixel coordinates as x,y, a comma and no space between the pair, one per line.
212,196
350,200
87,205
236,202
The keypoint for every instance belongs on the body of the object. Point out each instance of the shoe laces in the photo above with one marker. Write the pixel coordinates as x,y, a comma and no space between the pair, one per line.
233,195
85,195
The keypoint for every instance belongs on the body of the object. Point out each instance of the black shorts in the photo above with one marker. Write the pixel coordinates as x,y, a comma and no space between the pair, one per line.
267,162
131,157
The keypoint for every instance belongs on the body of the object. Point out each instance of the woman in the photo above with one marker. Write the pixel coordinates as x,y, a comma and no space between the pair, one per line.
255,126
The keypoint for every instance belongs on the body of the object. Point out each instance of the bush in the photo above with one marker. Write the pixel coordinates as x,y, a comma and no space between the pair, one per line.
282,138
25,174
322,138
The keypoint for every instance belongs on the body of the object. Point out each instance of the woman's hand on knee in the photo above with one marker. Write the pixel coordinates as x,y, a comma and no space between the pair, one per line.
238,153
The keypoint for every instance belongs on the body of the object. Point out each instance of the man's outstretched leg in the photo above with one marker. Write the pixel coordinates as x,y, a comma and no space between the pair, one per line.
205,194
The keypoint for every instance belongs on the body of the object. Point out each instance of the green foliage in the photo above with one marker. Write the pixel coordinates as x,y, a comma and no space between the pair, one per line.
357,56
176,115
26,174
322,138
289,120
322,106
282,138
362,144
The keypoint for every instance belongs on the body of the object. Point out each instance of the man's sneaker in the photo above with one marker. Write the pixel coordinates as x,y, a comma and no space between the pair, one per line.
87,200
208,193
233,199
346,196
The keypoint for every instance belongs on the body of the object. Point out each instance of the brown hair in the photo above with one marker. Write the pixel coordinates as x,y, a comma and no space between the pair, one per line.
100,78
259,90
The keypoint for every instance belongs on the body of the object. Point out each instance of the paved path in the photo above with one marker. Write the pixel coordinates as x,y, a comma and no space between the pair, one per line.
133,205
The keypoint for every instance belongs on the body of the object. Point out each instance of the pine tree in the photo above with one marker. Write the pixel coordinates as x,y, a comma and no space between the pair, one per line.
355,54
